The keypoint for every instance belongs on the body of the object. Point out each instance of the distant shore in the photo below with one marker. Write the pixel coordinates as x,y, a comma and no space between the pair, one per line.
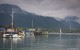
66,33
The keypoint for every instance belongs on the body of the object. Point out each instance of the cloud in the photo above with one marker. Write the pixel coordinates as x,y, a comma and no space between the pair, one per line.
56,8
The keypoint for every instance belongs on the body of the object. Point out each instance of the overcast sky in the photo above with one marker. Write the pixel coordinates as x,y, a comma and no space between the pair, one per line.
54,8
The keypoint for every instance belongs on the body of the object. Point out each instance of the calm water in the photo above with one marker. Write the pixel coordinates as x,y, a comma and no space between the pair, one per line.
46,42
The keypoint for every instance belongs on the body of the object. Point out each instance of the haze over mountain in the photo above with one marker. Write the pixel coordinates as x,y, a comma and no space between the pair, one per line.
53,8
24,19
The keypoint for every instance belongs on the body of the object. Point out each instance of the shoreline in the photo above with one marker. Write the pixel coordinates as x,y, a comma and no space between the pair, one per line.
66,33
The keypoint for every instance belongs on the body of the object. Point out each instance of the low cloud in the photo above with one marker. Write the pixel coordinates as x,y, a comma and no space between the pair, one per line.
54,8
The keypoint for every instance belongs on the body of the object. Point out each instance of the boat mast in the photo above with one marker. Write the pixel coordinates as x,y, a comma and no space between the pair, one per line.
70,28
32,23
12,28
12,19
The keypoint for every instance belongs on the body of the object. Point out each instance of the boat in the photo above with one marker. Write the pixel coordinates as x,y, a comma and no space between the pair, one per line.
40,32
12,31
37,31
14,34
30,31
21,34
34,32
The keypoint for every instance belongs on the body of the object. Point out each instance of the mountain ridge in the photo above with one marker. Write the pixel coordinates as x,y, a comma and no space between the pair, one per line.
24,19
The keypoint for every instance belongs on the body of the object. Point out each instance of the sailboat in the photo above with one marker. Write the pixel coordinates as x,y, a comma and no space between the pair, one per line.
30,31
36,31
12,32
39,31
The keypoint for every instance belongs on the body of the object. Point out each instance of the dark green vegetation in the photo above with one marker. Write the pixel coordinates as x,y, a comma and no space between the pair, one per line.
24,19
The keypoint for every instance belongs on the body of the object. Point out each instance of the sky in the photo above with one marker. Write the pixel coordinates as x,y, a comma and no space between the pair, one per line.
52,8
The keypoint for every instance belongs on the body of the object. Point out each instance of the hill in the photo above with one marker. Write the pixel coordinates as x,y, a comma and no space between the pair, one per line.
24,19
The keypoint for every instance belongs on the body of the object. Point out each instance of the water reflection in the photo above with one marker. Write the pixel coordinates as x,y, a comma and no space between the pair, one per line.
43,42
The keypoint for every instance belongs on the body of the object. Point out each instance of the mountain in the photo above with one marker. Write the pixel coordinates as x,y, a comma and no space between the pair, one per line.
24,19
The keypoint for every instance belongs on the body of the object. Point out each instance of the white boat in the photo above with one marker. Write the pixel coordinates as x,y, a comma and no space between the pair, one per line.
14,35
30,32
12,32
